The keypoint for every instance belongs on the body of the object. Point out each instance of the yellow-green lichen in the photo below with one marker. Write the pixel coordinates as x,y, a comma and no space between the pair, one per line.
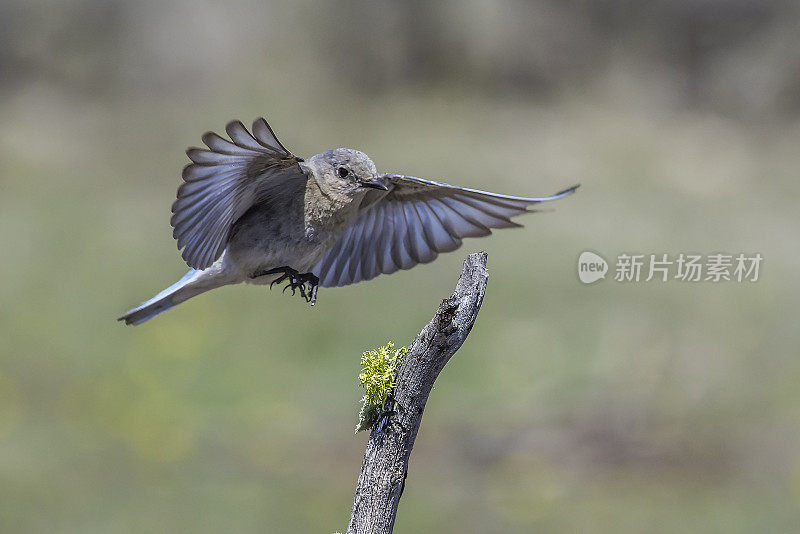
378,372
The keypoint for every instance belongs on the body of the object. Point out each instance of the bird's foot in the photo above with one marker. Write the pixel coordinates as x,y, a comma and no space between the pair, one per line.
296,282
300,280
313,285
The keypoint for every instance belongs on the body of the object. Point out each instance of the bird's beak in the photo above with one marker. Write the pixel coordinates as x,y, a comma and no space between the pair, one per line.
375,184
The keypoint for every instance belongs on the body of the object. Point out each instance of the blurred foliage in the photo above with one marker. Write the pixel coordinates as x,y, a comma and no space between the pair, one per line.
659,407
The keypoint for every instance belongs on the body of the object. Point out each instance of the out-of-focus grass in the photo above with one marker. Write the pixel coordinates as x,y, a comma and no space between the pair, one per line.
608,408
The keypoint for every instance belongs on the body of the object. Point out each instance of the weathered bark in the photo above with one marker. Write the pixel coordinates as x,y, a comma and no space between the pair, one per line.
383,472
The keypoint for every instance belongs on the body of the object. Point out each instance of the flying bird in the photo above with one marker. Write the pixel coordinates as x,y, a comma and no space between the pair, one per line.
249,210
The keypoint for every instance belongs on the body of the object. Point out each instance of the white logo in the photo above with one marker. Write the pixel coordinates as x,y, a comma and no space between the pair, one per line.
591,267
683,267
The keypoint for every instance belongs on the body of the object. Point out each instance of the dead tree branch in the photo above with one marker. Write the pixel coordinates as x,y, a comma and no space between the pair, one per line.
383,472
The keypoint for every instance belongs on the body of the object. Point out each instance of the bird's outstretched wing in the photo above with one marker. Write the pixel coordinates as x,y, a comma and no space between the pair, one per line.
222,183
412,223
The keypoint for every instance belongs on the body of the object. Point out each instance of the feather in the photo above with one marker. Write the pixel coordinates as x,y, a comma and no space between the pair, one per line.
413,223
222,183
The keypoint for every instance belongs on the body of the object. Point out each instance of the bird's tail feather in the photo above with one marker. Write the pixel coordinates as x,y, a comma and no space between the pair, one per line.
182,290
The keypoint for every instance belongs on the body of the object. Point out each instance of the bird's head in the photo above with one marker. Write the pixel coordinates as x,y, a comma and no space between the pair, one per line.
345,171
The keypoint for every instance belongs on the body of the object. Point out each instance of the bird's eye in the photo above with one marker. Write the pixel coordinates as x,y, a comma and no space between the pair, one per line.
343,172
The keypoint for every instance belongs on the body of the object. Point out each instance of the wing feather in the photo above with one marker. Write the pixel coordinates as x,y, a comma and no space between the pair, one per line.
357,261
266,137
401,255
239,135
222,183
369,257
384,254
413,223
441,239
217,144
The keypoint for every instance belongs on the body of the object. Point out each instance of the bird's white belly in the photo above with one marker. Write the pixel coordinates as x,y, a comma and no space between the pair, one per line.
301,256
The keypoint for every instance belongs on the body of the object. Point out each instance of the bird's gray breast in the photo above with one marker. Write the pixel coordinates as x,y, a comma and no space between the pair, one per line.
278,232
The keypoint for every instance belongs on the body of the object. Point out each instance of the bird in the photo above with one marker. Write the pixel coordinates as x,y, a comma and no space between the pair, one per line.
249,210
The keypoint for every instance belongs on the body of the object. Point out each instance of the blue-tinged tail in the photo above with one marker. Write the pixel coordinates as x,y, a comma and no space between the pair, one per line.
172,296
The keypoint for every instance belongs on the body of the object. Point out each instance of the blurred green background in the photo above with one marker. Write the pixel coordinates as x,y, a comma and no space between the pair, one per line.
611,408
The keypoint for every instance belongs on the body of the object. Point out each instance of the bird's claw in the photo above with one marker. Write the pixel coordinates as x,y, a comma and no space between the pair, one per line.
296,281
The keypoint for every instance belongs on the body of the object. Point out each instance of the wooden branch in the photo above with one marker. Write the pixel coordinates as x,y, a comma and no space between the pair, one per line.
383,472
